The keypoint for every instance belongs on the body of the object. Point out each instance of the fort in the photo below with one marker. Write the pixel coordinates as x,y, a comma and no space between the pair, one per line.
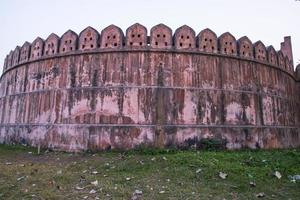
99,91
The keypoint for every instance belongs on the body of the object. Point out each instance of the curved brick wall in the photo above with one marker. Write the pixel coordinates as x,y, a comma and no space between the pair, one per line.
103,91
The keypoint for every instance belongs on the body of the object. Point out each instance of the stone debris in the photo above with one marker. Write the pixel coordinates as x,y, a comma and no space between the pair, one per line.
92,191
260,195
95,183
277,174
252,184
223,175
137,194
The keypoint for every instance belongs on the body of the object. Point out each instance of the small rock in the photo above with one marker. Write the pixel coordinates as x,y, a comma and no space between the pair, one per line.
252,184
164,158
92,191
198,171
277,174
260,195
137,195
84,171
8,163
59,172
94,172
21,178
128,179
79,188
95,183
161,192
223,175
85,197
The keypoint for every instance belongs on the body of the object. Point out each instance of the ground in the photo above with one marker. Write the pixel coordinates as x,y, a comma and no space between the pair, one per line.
150,174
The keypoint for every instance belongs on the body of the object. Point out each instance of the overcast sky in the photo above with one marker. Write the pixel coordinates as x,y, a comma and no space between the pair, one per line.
265,20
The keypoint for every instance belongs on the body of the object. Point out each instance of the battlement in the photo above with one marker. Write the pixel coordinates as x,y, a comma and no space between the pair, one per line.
184,39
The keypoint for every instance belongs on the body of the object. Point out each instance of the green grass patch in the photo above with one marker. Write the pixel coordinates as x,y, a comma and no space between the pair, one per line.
158,173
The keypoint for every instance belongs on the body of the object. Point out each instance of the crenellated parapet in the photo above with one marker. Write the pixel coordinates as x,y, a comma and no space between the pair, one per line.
184,39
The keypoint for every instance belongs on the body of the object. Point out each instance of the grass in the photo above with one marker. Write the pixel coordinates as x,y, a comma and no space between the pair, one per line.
159,174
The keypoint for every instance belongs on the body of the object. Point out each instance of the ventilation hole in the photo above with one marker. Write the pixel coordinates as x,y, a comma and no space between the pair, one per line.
230,43
115,44
182,37
84,39
156,43
243,53
212,48
132,35
48,45
244,46
187,37
166,44
141,43
108,37
52,44
210,40
204,47
38,54
158,35
225,50
139,35
71,48
106,44
180,44
52,51
46,52
258,50
258,57
226,43
114,37
70,41
232,51
92,46
83,46
190,44
205,39
131,43
66,42
65,49
164,35
91,38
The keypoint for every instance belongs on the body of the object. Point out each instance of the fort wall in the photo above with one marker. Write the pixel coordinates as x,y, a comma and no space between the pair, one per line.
109,90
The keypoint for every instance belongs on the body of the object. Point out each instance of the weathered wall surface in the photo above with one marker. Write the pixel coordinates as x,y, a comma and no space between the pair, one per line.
126,96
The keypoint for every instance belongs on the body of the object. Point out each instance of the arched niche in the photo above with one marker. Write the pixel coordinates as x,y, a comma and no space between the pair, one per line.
37,48
207,41
184,38
25,52
112,37
136,36
51,45
16,56
260,51
272,56
161,37
68,42
245,47
227,44
281,61
88,39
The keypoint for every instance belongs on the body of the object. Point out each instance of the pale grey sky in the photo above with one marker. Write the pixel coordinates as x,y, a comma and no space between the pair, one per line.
265,20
